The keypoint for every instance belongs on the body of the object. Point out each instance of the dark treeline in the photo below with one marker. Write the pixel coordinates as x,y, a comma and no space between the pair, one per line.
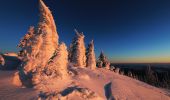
154,74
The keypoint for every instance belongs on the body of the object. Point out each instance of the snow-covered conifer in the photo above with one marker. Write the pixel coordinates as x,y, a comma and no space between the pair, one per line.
78,50
40,43
91,59
103,61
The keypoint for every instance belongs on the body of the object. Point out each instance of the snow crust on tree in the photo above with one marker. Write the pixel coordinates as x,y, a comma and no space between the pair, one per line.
47,24
78,51
91,59
57,66
55,71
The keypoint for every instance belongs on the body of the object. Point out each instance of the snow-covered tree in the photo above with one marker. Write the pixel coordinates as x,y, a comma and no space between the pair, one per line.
150,77
117,70
130,74
56,67
121,72
40,43
77,51
103,61
91,59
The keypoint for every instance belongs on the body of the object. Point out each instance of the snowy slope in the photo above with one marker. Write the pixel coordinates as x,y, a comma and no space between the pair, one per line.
104,83
111,85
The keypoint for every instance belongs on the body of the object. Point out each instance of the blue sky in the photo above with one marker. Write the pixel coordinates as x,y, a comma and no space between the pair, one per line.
126,30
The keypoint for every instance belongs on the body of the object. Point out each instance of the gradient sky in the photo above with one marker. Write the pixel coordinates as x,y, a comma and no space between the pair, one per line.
126,30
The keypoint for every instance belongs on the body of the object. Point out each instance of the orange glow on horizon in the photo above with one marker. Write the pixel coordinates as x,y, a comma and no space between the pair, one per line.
141,60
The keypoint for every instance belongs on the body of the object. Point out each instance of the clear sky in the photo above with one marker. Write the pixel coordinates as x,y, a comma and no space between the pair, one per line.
126,30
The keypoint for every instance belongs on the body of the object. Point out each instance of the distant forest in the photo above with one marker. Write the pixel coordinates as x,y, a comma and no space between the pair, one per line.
154,74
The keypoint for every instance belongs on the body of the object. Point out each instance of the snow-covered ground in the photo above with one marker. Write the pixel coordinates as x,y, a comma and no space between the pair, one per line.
10,92
111,85
106,84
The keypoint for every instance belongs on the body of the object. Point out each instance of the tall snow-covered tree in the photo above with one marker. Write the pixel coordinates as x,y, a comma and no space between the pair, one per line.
40,43
91,59
77,52
103,61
